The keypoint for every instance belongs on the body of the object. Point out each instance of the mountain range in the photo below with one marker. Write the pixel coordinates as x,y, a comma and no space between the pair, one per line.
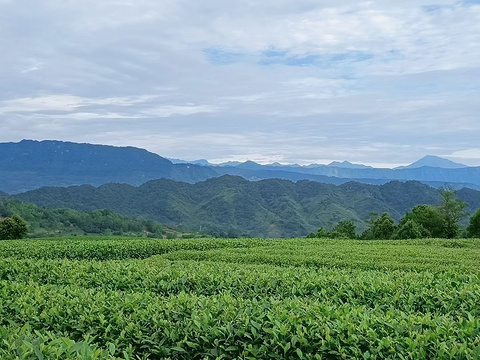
30,164
232,206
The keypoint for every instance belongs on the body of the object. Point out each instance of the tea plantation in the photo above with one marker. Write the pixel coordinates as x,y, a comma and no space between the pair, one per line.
117,298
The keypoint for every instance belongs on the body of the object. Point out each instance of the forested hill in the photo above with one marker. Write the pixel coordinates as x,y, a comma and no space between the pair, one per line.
45,222
233,206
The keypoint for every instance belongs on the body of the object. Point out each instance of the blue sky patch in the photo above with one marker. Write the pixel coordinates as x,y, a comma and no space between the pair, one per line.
222,57
323,61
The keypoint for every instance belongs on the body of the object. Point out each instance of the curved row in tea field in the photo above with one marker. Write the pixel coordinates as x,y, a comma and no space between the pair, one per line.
247,299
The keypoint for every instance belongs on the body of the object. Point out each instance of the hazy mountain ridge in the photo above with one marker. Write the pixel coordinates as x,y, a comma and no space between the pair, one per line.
32,164
348,165
231,205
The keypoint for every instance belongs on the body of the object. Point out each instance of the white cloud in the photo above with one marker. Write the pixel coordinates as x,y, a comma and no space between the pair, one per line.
291,81
467,154
30,65
182,110
66,103
43,103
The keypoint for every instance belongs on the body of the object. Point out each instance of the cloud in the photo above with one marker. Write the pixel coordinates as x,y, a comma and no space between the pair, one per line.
467,156
184,110
65,103
30,65
368,81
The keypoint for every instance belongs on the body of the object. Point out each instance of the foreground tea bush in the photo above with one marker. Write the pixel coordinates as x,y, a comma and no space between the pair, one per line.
240,299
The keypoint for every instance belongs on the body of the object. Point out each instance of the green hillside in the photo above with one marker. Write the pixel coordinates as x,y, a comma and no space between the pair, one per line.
62,222
233,206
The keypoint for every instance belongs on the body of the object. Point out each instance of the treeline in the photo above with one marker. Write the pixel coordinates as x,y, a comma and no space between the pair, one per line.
423,221
44,222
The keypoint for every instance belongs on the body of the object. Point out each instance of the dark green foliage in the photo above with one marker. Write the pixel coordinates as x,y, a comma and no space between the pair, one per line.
322,233
410,230
429,217
383,228
344,229
474,227
453,210
435,221
13,227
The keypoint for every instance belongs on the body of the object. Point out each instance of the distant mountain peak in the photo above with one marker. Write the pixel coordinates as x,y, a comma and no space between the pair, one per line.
229,163
434,161
348,165
201,162
252,165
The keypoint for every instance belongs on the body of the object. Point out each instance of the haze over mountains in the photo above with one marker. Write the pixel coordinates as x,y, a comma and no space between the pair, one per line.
32,164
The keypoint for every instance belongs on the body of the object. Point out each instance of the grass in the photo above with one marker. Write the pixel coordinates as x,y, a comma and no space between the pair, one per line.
118,298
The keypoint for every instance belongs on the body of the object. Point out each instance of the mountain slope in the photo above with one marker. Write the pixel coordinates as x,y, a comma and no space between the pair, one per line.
230,205
31,164
434,161
44,222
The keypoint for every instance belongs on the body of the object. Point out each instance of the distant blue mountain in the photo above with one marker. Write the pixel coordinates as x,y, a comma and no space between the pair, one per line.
348,165
251,165
434,161
201,162
32,164
230,163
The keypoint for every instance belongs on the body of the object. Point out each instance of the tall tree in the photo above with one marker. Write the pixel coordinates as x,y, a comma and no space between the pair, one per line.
474,227
453,210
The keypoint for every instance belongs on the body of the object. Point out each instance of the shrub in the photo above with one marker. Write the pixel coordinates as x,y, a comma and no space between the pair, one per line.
13,227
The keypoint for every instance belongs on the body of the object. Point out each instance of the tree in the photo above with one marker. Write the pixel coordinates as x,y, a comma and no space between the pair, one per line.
453,210
429,217
474,227
321,233
344,229
383,228
410,230
368,234
13,227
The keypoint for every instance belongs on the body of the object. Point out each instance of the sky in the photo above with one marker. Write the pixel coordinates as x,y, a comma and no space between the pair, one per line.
291,81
